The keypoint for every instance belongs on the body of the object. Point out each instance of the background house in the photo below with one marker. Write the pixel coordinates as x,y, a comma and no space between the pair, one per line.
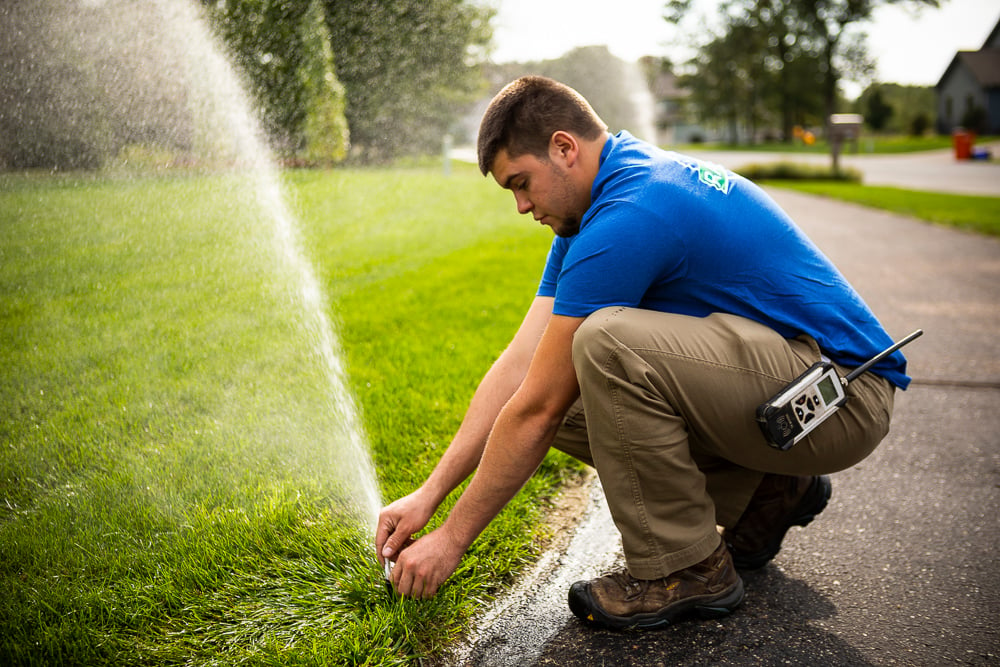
674,121
969,90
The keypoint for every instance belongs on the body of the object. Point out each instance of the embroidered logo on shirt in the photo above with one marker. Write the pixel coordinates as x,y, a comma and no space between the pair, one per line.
714,176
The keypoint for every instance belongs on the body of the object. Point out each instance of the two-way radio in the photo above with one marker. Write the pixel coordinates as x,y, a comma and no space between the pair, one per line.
791,414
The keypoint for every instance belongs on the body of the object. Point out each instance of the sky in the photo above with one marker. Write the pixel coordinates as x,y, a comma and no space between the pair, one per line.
910,48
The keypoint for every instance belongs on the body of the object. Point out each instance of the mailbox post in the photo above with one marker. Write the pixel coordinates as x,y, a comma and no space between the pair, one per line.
843,127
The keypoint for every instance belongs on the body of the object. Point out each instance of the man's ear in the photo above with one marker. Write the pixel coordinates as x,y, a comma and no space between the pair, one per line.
564,148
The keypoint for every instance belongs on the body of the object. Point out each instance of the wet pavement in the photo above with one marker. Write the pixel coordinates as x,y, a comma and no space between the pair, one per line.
901,567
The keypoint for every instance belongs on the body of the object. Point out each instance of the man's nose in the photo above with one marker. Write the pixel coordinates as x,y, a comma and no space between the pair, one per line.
523,203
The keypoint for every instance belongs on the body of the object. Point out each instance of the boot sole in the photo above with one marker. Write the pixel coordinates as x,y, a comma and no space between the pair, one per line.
583,606
813,502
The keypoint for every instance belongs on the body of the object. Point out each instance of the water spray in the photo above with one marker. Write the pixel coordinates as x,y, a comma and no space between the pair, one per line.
223,105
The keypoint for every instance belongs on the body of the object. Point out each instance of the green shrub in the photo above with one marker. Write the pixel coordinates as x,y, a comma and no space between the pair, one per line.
791,171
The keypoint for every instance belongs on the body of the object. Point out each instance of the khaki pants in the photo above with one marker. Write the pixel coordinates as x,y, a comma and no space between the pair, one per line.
666,416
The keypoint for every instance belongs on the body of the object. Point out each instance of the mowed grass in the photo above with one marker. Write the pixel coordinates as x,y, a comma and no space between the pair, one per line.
971,212
869,143
171,481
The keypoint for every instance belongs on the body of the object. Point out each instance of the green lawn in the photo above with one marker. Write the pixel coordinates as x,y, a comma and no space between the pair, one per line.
171,483
869,143
976,213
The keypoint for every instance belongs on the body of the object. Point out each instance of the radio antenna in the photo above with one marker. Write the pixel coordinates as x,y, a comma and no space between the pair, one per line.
882,355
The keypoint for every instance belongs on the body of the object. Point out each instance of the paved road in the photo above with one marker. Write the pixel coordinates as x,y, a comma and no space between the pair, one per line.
901,567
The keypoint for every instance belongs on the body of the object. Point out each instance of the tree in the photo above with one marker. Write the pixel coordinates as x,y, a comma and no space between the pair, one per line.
325,135
727,85
908,108
283,48
817,33
597,74
827,22
409,68
748,77
78,81
920,124
878,112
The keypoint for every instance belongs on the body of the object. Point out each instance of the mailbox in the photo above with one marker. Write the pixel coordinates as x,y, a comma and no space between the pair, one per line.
843,127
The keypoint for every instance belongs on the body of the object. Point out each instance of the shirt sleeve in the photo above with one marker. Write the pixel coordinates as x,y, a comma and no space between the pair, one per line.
553,267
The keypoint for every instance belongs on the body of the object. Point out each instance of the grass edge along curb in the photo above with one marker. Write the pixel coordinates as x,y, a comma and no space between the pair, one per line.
967,212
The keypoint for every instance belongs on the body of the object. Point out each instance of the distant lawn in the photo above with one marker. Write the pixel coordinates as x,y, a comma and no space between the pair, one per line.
976,213
171,475
867,145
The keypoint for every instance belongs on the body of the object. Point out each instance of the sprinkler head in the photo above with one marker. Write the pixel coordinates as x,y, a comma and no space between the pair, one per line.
388,576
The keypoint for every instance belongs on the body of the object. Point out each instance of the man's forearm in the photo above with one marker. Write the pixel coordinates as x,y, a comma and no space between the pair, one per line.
466,449
516,448
519,436
523,431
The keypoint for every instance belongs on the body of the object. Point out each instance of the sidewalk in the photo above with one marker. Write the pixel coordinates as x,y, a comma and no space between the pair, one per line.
901,567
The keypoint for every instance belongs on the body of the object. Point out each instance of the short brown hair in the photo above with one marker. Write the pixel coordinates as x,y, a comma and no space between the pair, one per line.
524,115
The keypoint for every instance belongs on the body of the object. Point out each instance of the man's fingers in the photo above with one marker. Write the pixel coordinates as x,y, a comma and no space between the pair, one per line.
396,543
390,536
402,579
416,579
411,586
389,549
383,536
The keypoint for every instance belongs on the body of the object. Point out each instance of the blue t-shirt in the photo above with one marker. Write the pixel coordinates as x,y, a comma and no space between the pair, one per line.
669,233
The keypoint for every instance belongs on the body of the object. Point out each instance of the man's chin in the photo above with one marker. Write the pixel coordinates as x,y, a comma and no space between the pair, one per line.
566,228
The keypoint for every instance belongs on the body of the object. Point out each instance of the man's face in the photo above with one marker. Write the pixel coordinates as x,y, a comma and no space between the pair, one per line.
544,189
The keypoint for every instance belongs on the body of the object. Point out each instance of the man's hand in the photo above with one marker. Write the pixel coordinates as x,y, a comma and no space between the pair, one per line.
426,563
399,521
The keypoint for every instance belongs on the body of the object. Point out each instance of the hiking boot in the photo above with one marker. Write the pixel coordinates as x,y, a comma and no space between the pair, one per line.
709,589
780,502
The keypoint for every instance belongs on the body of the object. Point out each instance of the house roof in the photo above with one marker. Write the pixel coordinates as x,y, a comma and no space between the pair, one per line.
993,40
984,66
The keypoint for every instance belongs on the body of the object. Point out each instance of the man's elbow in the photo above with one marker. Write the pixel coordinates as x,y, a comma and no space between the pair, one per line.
540,416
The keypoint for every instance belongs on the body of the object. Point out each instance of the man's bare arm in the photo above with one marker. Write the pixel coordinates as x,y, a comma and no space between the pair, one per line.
517,444
500,383
399,520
